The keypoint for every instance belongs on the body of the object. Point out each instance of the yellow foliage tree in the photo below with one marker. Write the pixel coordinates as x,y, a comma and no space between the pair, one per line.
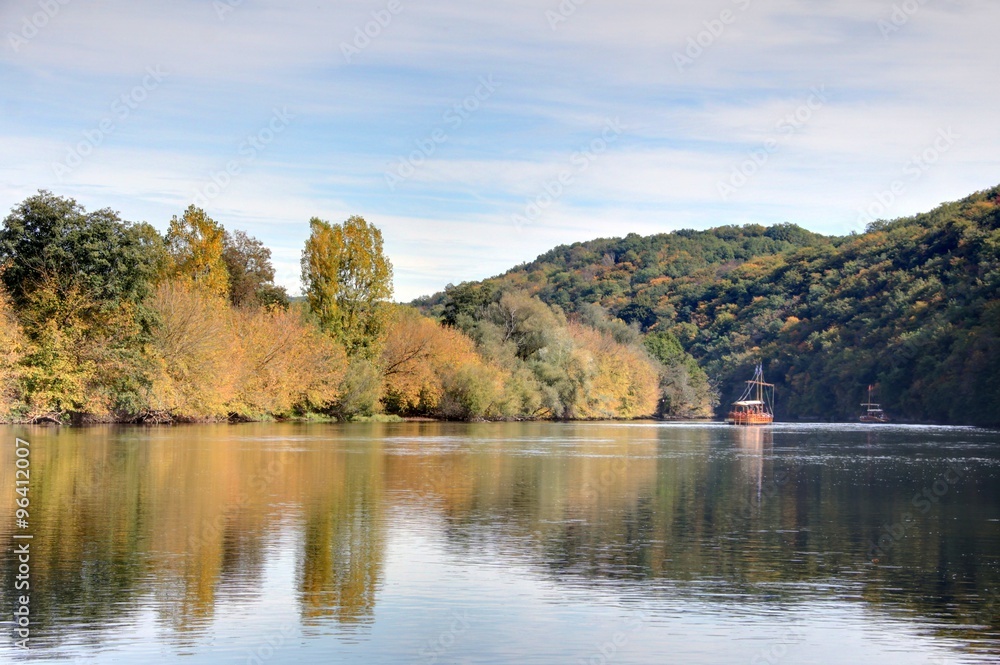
214,361
78,356
196,244
614,380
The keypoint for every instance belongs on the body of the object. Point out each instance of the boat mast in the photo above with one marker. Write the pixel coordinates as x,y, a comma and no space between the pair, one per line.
758,381
870,405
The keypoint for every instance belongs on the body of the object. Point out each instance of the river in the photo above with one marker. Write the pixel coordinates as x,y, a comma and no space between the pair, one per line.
503,543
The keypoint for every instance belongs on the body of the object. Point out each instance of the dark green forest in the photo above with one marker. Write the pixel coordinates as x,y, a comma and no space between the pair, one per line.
910,306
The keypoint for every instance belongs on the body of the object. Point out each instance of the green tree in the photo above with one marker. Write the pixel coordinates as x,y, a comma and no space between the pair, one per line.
348,280
685,391
196,245
638,313
251,275
465,303
53,241
524,321
78,282
360,390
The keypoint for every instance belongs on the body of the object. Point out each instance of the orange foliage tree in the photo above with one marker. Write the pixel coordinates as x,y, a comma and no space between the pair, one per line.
432,369
11,350
286,363
193,348
214,361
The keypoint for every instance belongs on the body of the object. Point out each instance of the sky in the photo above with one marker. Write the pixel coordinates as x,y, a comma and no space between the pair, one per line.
478,135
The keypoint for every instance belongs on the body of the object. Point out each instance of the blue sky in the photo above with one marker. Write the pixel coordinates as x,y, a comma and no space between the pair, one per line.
478,135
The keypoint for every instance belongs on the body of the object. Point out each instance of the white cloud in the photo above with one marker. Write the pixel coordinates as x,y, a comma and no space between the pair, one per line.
451,220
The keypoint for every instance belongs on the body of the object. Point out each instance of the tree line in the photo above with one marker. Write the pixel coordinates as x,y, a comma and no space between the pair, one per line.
102,319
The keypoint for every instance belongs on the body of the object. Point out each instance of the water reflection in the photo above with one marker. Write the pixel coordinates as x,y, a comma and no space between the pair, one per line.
193,524
340,565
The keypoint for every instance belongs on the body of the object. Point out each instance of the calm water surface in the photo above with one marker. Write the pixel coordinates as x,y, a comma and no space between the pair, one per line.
507,543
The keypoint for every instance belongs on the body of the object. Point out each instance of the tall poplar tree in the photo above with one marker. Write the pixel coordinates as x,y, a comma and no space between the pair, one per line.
348,280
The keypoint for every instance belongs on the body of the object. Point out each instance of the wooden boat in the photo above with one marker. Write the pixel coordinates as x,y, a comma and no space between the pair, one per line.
754,407
873,412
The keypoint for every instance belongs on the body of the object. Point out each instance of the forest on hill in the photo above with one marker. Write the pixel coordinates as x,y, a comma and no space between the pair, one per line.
910,306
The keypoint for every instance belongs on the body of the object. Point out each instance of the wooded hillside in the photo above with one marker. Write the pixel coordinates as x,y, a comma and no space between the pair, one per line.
911,306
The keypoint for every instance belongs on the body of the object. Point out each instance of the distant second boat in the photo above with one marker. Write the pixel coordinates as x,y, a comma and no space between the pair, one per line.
873,412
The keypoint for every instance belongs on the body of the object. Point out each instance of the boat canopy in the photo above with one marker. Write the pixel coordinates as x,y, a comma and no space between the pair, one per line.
751,402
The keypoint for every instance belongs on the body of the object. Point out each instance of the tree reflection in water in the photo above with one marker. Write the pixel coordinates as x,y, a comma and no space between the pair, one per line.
185,520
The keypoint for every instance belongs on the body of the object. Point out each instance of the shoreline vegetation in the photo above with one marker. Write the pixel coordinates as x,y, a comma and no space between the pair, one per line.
108,321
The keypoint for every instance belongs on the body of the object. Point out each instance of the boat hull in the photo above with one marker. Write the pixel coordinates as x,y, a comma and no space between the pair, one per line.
749,419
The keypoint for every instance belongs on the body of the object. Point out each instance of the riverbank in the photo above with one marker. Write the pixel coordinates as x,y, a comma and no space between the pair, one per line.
73,419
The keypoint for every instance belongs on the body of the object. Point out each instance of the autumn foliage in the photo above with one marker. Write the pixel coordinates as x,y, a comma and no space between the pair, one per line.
216,361
431,369
348,281
616,380
110,321
102,319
